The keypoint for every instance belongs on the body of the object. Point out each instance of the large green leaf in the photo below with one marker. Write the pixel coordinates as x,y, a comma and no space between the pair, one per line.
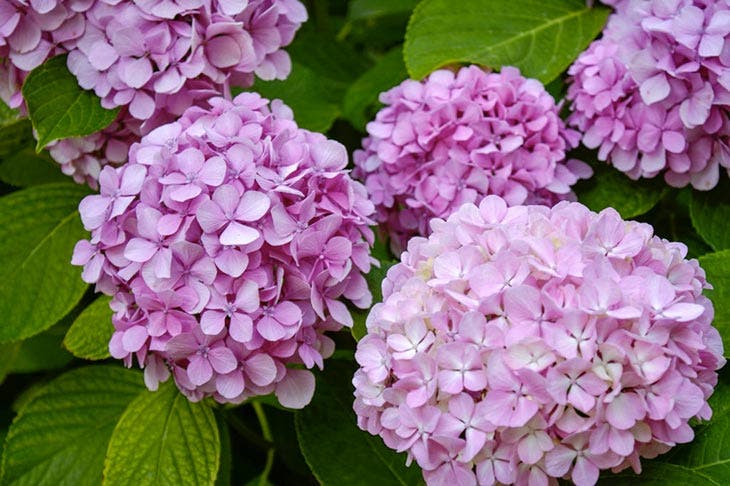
39,227
60,436
26,168
375,280
224,470
8,353
42,352
315,100
15,135
90,333
710,213
370,9
59,107
659,474
717,267
164,439
322,52
333,446
15,132
362,95
540,37
610,188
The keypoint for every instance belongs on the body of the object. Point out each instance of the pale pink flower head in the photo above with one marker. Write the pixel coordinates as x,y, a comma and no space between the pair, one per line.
457,137
154,58
522,344
652,95
227,242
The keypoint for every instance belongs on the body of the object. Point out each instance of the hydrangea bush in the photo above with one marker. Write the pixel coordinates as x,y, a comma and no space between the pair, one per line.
154,57
226,242
274,242
517,344
456,137
653,93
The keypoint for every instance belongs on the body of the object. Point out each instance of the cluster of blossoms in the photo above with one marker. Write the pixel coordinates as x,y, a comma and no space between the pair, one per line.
153,57
520,344
454,138
653,93
226,242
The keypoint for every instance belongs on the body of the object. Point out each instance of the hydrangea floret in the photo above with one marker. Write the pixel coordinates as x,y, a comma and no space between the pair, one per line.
516,345
149,56
652,95
456,137
227,242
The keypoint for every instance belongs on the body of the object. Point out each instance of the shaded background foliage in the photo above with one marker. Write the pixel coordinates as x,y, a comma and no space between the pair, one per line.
74,423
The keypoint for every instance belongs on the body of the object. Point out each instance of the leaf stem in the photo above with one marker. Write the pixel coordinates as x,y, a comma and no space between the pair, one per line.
266,432
245,431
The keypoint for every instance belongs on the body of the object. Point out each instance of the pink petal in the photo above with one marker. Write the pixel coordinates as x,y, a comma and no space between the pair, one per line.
210,217
241,328
212,322
134,338
135,72
253,206
222,359
261,369
238,234
199,370
296,389
230,385
140,250
654,89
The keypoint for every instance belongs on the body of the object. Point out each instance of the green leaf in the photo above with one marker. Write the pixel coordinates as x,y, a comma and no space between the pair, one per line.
717,267
42,352
704,461
224,471
8,353
60,436
286,441
658,474
610,188
15,135
39,227
89,335
335,449
710,213
26,168
315,100
7,114
370,9
3,435
329,57
540,37
375,279
59,107
163,438
362,96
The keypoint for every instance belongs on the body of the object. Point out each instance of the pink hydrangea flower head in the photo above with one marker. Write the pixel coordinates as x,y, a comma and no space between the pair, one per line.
653,93
155,58
227,242
456,137
520,344
131,52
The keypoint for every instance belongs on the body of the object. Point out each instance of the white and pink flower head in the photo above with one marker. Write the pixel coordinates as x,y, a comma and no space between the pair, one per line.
653,93
516,345
152,57
456,137
227,242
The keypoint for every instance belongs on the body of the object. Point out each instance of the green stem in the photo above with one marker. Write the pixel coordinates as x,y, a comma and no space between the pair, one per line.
266,432
244,431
